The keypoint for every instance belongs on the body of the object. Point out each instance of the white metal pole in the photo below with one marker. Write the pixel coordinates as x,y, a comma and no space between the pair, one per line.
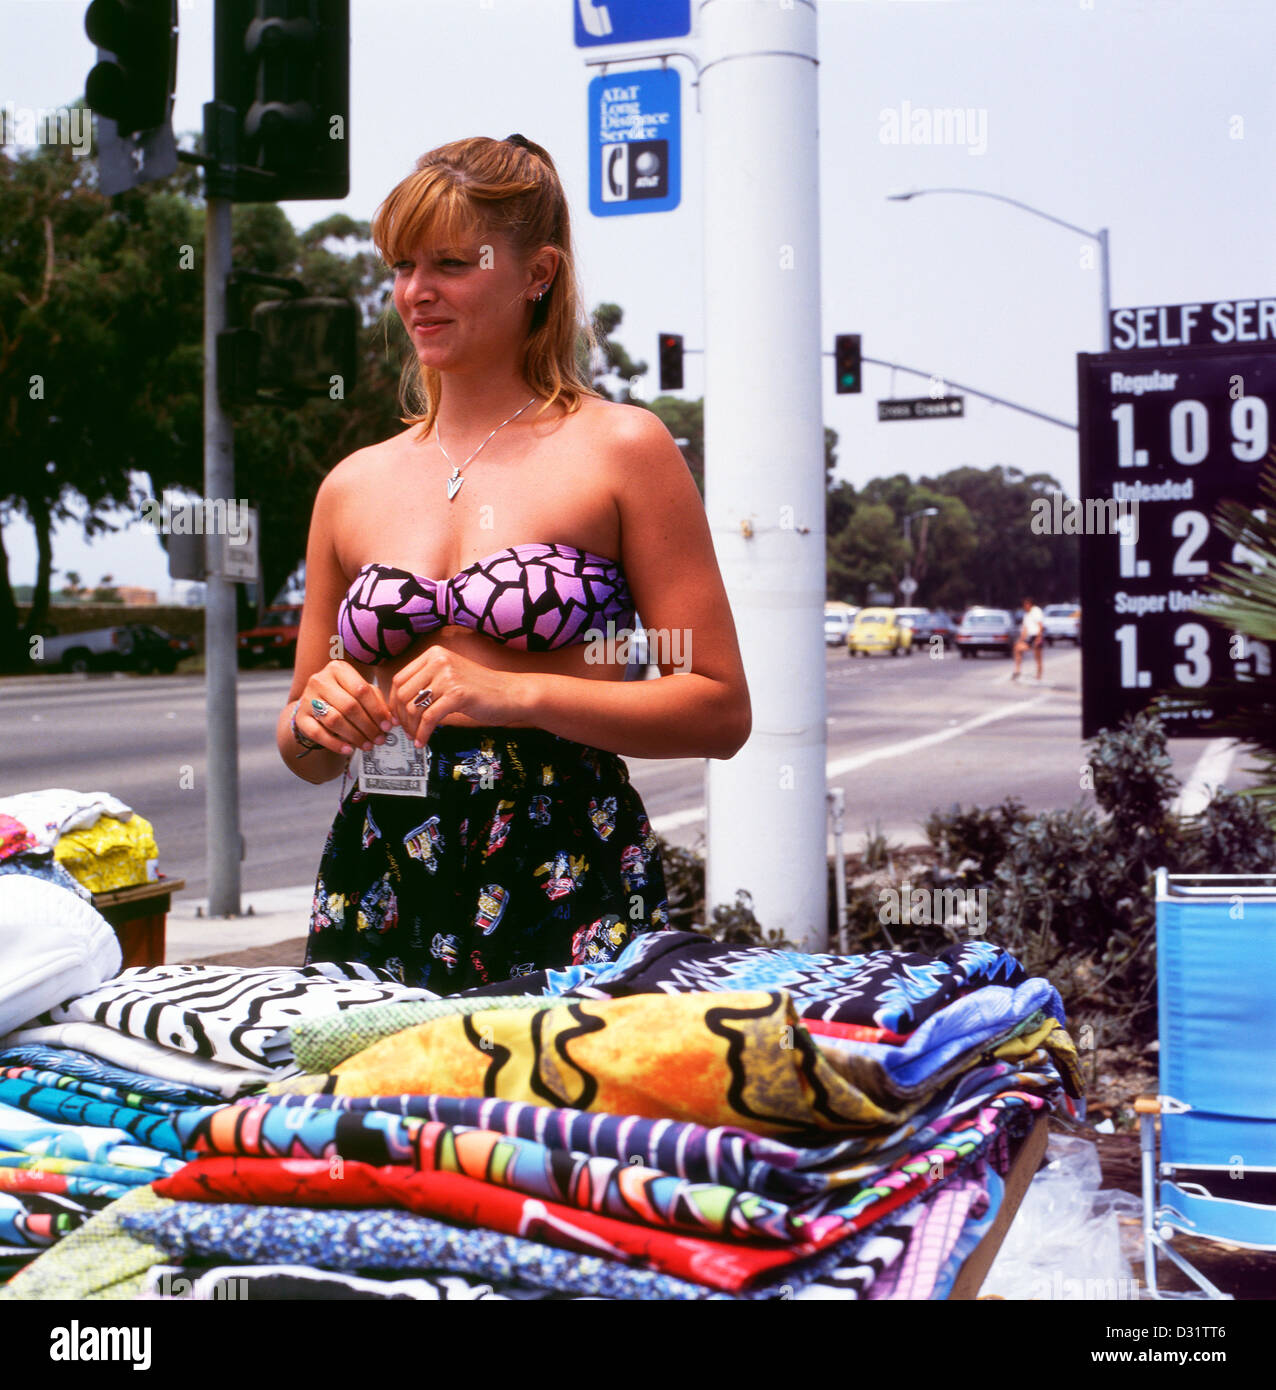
764,451
1105,271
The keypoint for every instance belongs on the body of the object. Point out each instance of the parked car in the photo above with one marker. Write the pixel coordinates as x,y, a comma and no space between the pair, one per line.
273,639
878,630
123,647
1062,623
928,625
837,625
986,629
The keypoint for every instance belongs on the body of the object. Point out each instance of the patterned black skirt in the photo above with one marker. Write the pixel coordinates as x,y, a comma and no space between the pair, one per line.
528,852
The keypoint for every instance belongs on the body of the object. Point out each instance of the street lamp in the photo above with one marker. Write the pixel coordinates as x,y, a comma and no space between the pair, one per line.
908,585
1101,236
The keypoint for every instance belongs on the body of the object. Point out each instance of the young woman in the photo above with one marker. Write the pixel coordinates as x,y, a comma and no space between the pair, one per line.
462,581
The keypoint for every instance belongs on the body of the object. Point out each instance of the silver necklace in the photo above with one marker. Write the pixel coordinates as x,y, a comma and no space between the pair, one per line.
455,481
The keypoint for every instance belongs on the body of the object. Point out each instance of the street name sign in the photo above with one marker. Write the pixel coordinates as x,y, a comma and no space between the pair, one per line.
923,408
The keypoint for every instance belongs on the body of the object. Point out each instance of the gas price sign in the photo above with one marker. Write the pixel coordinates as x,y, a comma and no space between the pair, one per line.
1166,435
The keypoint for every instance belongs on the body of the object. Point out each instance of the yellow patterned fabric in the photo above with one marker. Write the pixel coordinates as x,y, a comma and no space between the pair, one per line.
110,853
713,1059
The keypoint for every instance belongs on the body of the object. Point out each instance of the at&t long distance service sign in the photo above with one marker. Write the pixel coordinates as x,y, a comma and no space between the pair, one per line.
1165,434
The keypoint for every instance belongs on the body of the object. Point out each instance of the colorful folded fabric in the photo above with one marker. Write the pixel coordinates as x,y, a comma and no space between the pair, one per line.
73,1064
710,1059
142,1056
377,1239
884,989
375,1127
40,1137
12,1161
100,1260
625,1191
110,853
236,1016
865,1263
36,1220
318,1044
93,1090
470,1202
19,1180
154,1131
934,1239
975,1229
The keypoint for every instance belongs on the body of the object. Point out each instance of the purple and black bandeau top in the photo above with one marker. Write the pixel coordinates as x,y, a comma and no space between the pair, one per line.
533,597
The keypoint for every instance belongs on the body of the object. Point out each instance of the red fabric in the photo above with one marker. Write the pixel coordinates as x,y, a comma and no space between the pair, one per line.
469,1202
856,1032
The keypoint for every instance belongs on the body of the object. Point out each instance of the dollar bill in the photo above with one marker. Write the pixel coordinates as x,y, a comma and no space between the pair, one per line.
395,768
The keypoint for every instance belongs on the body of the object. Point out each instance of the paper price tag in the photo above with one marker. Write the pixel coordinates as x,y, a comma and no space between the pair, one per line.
396,768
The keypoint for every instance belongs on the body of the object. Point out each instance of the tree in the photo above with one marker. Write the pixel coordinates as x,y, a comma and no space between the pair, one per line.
1009,561
100,310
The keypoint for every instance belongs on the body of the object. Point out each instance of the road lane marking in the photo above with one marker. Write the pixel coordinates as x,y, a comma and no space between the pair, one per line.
841,766
675,820
1209,774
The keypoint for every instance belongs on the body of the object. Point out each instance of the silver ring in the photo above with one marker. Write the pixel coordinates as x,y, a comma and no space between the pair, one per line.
319,708
424,699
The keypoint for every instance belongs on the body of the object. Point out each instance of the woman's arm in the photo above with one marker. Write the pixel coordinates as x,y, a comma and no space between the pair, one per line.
356,708
700,707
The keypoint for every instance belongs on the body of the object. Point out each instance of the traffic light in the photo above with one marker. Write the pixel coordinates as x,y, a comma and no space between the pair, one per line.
133,82
671,361
130,90
848,365
282,67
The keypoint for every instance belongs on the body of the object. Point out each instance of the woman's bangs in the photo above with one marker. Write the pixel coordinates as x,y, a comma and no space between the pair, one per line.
423,212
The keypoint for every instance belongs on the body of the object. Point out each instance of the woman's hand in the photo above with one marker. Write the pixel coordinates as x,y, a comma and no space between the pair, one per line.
457,685
357,715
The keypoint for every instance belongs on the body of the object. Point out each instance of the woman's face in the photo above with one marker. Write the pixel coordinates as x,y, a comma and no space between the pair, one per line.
481,293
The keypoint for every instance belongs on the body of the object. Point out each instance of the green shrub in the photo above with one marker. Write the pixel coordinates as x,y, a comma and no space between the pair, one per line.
979,834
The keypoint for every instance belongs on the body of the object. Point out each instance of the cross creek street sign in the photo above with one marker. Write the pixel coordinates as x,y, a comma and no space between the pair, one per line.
923,408
1165,436
635,142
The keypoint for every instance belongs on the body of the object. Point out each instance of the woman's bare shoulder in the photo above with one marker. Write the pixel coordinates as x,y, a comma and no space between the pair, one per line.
358,470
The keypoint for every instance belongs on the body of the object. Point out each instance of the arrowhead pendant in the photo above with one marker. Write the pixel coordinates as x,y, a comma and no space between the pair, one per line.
454,484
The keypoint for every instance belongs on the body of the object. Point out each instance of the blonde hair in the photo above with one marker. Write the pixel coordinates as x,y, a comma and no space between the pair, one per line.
455,194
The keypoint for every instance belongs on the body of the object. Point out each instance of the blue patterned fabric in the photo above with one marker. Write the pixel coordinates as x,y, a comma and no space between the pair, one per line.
883,989
381,1239
71,1063
153,1131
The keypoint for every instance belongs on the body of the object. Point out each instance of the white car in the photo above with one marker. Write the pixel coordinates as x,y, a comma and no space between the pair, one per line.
1062,623
837,626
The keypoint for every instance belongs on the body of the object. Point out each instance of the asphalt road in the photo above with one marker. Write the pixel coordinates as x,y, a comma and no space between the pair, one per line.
905,735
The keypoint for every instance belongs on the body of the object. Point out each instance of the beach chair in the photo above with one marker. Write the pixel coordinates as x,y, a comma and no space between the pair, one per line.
1216,1004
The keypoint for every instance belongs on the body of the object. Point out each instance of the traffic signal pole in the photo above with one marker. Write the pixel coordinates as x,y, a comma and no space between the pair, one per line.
220,617
764,451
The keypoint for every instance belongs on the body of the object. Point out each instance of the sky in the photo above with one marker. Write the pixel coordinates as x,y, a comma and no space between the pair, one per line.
1153,118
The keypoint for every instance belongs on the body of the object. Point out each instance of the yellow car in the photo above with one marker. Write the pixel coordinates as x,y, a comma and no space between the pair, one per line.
878,630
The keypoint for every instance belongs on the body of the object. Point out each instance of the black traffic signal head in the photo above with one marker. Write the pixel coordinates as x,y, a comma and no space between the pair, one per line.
133,82
671,361
284,68
847,363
